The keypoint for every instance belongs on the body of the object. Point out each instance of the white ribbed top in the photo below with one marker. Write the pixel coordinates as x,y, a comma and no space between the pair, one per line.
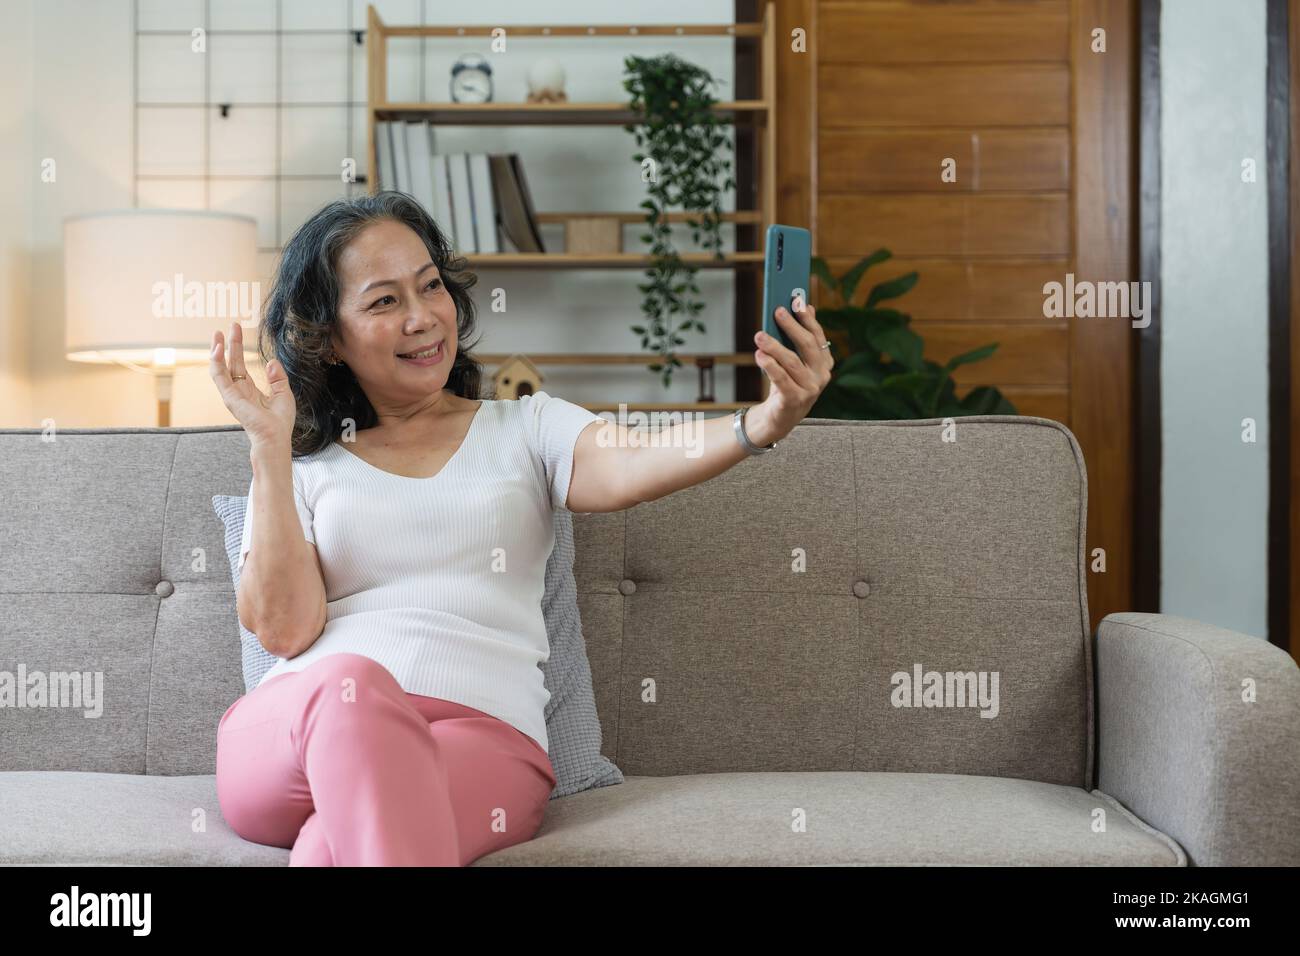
441,579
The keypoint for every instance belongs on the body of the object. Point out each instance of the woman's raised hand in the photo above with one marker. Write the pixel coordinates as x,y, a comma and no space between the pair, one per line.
797,377
268,419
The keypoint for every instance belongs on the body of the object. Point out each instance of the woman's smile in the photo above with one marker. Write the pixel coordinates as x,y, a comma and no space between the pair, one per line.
425,357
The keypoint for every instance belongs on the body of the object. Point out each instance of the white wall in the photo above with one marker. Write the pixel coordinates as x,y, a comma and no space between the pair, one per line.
82,100
83,107
1214,337
17,165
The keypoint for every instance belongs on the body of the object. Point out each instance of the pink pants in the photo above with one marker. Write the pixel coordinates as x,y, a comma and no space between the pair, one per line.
339,763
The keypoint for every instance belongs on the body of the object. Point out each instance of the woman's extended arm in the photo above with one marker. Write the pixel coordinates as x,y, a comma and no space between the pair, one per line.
612,472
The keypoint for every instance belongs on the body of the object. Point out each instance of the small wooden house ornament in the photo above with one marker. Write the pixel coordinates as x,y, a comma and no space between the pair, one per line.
516,377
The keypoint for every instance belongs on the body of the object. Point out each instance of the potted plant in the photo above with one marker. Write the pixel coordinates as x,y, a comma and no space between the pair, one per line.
682,143
879,371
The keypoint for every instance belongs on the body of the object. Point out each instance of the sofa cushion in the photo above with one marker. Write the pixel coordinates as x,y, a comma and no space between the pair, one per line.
885,819
128,819
877,819
758,621
572,727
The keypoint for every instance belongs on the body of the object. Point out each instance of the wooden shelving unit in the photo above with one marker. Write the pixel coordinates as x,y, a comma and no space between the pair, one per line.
760,112
543,114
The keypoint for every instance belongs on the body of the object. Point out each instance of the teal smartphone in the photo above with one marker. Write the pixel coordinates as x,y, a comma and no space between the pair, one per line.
787,260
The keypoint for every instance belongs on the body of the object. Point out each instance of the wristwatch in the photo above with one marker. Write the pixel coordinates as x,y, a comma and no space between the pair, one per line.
738,426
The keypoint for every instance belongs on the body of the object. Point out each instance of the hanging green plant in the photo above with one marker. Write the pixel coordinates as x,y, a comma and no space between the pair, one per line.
682,141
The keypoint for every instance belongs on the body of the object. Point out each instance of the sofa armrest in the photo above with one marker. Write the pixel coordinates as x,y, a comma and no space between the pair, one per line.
1183,745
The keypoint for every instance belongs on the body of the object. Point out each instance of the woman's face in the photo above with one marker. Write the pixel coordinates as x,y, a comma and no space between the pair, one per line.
392,301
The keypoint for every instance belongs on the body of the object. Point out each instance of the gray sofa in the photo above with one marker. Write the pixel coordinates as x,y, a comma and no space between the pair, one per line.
749,641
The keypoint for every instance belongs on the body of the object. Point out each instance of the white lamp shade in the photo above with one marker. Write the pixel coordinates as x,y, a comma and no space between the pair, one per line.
150,286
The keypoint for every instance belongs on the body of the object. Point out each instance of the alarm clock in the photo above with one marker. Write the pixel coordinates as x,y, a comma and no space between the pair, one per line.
471,79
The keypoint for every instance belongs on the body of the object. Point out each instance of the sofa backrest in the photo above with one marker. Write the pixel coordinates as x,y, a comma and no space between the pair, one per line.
773,618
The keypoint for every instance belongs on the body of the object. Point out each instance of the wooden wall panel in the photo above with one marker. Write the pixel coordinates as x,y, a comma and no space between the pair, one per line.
919,224
1102,352
964,94
1038,127
1046,402
987,289
1026,354
987,160
891,31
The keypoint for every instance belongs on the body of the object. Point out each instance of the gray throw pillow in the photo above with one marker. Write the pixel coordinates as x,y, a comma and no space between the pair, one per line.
572,727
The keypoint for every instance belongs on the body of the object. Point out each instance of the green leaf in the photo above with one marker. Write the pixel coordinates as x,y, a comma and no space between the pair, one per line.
892,288
982,400
906,382
838,320
849,283
829,405
974,355
823,272
862,363
879,404
857,382
899,342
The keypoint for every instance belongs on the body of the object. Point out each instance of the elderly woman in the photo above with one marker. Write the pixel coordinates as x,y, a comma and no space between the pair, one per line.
396,539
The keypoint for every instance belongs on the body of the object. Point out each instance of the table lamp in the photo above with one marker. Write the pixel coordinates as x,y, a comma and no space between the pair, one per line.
146,288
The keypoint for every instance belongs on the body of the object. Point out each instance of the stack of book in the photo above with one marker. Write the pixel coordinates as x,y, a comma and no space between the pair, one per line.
469,195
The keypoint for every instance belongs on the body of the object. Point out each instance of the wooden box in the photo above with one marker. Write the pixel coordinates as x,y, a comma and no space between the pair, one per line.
594,235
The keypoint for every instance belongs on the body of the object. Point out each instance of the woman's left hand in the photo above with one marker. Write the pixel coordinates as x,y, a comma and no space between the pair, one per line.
797,379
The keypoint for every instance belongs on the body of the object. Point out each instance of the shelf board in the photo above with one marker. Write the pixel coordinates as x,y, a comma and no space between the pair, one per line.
622,31
544,114
612,260
752,216
615,358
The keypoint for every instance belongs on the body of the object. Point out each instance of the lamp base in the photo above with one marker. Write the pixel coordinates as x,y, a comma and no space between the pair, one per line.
163,389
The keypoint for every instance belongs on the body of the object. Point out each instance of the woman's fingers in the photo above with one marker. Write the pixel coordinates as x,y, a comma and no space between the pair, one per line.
237,352
217,363
796,329
231,391
773,369
809,317
819,367
788,359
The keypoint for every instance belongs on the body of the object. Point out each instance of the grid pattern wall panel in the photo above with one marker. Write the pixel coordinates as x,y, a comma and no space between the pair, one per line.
253,106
